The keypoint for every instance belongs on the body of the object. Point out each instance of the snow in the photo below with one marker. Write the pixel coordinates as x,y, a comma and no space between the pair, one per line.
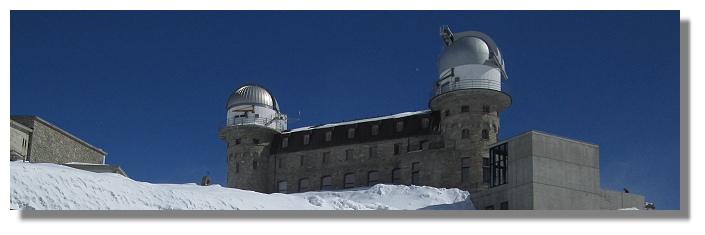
399,115
46,186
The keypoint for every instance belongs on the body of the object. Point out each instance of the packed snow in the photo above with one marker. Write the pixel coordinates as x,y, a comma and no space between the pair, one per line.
45,186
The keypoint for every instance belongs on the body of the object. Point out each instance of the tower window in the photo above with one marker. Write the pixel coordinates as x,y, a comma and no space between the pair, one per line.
400,126
465,170
464,109
485,170
446,113
397,149
372,178
486,109
238,141
349,180
254,165
306,139
485,134
465,133
285,142
351,133
396,176
237,167
373,151
255,141
329,135
282,187
327,183
325,159
348,154
375,129
303,160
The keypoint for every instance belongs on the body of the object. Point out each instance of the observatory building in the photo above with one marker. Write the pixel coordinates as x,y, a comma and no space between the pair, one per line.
454,144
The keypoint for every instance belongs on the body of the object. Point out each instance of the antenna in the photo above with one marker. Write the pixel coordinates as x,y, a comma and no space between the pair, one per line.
446,34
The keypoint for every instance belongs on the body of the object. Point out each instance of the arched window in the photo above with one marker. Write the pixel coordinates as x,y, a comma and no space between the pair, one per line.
372,178
485,134
465,133
327,183
282,186
349,180
396,176
303,185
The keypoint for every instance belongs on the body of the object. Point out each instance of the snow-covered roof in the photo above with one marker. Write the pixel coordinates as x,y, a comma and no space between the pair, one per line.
399,115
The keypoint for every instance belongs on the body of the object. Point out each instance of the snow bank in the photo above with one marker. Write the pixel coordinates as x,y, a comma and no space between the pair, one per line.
45,186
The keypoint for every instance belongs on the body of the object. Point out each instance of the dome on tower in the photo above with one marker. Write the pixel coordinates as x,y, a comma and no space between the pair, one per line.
252,94
470,47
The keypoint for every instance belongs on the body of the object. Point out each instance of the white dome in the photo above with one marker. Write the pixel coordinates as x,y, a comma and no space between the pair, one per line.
252,94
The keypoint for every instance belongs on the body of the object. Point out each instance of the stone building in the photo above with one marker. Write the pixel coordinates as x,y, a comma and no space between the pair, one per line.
33,139
454,144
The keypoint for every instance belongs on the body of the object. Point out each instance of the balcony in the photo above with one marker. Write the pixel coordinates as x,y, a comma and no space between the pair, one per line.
470,84
277,122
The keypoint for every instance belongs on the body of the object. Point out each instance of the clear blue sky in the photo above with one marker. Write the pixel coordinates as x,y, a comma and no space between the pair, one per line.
150,87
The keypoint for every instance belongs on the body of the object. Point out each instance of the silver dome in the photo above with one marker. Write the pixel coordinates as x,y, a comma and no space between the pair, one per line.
471,47
252,94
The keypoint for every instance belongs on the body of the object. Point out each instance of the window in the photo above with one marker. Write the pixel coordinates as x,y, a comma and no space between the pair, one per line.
372,178
396,176
325,158
285,142
306,139
485,134
489,208
327,183
424,123
464,109
238,141
397,148
375,129
400,126
348,154
498,165
231,157
349,180
351,133
446,113
485,170
465,133
415,173
282,187
465,169
255,141
303,160
486,109
254,165
373,151
504,206
329,136
303,185
237,167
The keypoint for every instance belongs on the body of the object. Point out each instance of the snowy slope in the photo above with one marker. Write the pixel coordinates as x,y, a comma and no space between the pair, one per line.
44,186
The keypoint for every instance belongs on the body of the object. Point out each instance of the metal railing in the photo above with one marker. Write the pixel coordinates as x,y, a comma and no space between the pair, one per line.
470,84
276,122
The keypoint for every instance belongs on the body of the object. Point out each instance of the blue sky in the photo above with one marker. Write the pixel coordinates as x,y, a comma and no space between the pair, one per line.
150,87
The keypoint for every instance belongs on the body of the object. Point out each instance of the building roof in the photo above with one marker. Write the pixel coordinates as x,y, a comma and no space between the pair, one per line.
399,115
252,94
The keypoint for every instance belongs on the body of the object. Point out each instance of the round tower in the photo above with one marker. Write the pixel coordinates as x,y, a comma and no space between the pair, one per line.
253,118
469,94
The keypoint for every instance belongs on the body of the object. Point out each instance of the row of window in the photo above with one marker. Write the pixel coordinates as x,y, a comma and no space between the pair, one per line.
465,109
349,154
399,127
502,206
465,134
350,179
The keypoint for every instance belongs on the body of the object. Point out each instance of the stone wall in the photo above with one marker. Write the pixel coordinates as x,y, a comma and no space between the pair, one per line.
51,144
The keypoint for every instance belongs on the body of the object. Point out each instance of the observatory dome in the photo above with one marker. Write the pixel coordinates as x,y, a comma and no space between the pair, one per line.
252,94
465,50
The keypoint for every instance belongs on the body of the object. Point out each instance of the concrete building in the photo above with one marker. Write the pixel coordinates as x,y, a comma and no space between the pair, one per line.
33,139
452,145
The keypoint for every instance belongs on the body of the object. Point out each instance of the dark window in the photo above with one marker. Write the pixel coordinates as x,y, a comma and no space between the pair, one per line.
351,133
489,208
329,135
424,123
254,165
372,178
446,113
464,108
375,129
397,149
282,187
485,134
373,151
238,141
485,109
504,206
327,183
349,180
237,167
285,142
400,126
415,167
396,176
255,141
303,160
465,134
280,162
465,170
485,170
498,165
306,138
348,154
325,159
303,185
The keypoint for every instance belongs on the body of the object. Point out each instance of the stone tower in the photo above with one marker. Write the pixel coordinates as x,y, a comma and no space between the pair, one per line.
253,118
469,94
